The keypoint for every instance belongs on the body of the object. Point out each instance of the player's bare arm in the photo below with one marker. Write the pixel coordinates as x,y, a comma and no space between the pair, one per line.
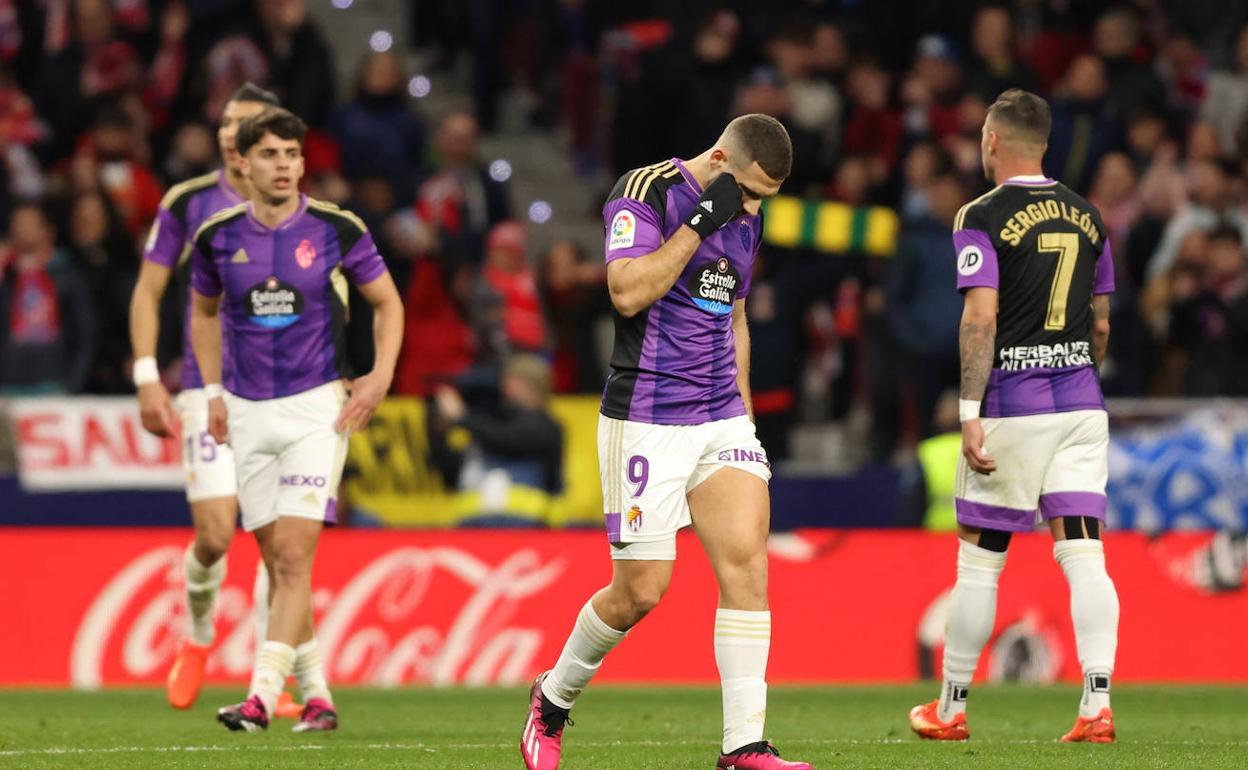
976,341
637,283
1100,327
368,391
206,342
155,405
741,340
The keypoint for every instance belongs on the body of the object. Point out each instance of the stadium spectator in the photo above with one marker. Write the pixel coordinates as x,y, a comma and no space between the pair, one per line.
506,307
995,68
378,133
874,128
514,458
47,340
459,199
1226,99
1211,202
300,62
104,254
573,292
1133,85
110,160
1081,131
932,89
922,308
1209,318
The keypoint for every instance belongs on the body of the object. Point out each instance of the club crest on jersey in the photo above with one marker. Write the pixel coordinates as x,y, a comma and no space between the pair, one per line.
970,259
747,236
305,254
633,517
713,286
274,304
623,230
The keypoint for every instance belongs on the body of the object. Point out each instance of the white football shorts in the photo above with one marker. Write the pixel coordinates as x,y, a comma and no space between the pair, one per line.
209,467
1051,464
648,471
288,454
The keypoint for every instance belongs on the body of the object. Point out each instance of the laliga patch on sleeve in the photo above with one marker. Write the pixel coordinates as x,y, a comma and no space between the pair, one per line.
623,230
970,259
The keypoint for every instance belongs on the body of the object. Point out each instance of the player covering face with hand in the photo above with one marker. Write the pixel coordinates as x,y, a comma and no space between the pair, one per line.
281,262
676,442
1037,271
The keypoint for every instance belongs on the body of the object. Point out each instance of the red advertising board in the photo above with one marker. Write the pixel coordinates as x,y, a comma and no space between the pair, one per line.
90,608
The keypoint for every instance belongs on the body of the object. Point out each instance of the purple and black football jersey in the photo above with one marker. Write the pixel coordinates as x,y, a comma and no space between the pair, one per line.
1044,249
182,211
285,293
674,363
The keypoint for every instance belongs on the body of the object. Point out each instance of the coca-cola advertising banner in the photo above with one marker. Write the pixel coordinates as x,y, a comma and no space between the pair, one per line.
90,443
92,608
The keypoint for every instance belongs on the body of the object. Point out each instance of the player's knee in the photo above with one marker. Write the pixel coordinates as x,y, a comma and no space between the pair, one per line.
642,596
290,564
212,541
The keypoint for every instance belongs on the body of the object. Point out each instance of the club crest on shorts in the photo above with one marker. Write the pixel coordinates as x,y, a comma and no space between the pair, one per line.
633,517
305,254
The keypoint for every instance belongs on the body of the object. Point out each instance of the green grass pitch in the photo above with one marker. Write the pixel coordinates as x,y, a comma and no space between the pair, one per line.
628,728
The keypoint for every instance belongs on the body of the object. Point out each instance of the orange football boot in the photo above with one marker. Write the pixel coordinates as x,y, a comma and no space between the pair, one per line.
286,708
1097,729
925,722
187,675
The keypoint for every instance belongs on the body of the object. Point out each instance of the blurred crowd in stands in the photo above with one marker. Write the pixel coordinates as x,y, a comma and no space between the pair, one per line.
104,104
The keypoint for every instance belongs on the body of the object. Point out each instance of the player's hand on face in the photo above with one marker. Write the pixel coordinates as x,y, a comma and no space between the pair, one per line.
367,393
218,420
973,448
721,201
156,410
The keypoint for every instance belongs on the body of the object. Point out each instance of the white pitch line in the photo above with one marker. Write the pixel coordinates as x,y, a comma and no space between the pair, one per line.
431,747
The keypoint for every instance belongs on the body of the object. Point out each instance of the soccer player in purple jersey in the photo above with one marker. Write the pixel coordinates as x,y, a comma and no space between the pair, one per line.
1037,272
210,486
278,268
676,442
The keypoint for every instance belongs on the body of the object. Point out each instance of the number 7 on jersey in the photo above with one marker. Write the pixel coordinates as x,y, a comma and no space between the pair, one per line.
1067,247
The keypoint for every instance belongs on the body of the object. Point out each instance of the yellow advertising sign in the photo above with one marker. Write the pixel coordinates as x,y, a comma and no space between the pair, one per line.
390,477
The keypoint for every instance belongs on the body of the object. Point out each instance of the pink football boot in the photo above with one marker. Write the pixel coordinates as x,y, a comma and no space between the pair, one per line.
758,756
542,739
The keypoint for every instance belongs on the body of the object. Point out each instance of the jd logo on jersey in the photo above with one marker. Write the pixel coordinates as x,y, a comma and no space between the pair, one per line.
970,259
274,304
713,286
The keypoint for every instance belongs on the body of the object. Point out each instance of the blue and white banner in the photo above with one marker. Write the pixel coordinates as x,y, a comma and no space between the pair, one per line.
1185,471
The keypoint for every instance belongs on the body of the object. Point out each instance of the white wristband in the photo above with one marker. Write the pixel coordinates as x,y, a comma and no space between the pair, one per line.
968,410
213,390
145,371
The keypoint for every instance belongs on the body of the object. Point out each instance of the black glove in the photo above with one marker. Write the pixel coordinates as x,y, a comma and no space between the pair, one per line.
720,202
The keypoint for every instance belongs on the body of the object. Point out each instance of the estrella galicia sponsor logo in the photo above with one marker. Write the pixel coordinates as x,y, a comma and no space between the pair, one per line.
274,303
300,480
713,286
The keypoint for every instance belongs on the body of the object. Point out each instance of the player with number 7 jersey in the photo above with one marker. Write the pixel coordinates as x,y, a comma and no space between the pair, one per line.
1036,270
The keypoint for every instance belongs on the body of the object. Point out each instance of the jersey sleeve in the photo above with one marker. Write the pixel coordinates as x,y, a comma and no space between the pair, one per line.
204,276
363,263
166,239
977,256
1104,280
634,227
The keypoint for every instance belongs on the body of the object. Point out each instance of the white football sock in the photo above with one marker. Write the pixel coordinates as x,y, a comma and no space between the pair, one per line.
742,642
310,672
260,602
590,641
1094,611
972,614
274,662
202,584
